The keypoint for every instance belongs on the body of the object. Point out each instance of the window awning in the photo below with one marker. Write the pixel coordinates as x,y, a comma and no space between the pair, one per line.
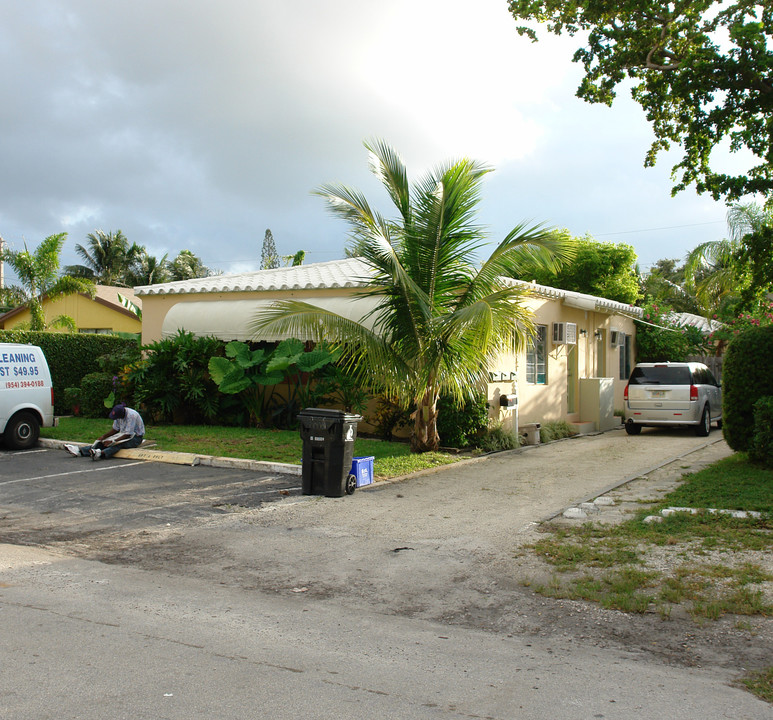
230,319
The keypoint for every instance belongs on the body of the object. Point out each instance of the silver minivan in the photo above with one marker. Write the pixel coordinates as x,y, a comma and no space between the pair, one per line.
672,393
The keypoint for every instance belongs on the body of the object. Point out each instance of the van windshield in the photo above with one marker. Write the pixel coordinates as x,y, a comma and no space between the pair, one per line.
660,375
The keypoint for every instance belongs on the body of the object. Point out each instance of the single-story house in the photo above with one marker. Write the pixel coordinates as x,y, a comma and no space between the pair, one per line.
575,369
106,312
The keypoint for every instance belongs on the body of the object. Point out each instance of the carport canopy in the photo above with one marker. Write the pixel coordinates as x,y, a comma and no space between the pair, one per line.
231,319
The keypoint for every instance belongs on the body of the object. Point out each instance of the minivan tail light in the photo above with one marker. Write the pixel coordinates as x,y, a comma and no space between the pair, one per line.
625,393
693,393
52,396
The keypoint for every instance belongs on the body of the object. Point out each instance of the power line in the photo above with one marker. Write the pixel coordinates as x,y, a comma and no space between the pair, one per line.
669,227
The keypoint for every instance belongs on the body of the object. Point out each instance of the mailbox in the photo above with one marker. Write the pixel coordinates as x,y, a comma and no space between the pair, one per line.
508,401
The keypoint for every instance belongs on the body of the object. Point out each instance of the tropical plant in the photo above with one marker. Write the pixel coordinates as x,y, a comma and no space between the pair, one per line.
147,269
739,268
250,373
441,316
107,258
172,381
659,337
38,273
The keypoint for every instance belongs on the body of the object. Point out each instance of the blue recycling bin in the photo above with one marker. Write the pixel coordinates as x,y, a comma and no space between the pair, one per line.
362,469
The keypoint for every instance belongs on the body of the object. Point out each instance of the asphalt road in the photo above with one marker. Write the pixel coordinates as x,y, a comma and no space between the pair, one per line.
248,602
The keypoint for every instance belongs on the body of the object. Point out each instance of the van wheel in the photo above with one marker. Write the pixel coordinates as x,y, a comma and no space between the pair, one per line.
704,428
22,431
632,428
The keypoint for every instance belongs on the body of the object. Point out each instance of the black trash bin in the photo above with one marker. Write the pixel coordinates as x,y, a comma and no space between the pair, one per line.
328,448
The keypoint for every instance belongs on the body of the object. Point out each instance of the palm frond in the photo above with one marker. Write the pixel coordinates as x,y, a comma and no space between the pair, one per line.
387,165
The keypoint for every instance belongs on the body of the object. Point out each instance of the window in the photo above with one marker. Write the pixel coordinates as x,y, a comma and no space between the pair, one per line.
625,356
537,357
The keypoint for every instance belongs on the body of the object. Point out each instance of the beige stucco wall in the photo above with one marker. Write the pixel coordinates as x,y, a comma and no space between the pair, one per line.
88,314
540,403
156,307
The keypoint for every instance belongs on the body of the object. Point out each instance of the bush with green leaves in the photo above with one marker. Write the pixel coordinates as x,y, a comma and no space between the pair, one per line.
660,339
746,377
252,374
458,425
95,387
389,416
761,446
172,382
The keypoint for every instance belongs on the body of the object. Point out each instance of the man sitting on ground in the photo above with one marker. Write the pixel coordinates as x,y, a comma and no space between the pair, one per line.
128,431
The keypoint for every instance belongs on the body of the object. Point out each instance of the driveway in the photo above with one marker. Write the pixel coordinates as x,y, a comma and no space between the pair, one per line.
404,600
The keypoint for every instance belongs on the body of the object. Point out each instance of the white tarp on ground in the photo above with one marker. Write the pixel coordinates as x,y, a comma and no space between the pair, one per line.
231,319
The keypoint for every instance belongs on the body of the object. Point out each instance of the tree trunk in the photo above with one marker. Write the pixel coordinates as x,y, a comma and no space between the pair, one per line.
424,437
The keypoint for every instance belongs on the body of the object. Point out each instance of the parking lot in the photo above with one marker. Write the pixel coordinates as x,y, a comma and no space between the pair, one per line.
46,494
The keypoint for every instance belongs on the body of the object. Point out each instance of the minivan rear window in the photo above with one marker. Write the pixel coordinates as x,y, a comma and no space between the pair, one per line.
660,376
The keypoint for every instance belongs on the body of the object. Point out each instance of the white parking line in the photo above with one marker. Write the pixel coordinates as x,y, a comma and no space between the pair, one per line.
102,468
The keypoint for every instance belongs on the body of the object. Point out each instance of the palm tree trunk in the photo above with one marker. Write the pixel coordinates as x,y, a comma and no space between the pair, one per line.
424,437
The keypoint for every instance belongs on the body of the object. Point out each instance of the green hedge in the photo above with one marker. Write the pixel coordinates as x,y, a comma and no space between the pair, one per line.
746,377
70,356
761,447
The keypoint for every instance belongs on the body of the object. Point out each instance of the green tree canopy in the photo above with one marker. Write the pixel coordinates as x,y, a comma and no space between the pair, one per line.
38,273
186,266
702,70
603,269
441,316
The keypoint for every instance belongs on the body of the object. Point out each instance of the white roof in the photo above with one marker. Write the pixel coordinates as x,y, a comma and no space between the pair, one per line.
350,273
346,273
703,324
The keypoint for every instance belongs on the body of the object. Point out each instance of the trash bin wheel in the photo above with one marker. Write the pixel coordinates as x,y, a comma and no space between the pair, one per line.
351,484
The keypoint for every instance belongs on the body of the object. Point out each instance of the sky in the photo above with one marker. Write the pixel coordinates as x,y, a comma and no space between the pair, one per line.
194,124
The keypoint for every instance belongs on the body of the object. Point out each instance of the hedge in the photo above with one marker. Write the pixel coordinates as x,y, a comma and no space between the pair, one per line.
70,356
761,446
746,377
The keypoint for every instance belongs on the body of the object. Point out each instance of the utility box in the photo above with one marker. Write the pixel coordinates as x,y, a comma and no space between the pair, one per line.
597,402
530,433
328,448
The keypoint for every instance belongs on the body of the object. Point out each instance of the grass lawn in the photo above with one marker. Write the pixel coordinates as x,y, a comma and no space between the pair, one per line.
391,458
713,565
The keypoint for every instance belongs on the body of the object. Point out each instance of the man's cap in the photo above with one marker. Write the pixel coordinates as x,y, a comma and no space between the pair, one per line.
118,411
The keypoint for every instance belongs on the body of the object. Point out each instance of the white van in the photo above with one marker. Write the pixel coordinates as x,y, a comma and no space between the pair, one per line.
26,395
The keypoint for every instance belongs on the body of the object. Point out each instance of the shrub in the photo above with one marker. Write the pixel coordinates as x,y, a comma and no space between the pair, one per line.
660,339
746,377
460,426
761,446
95,387
556,430
389,416
172,381
497,438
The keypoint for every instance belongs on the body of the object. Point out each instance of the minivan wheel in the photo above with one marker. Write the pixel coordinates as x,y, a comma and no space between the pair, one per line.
632,428
704,428
22,431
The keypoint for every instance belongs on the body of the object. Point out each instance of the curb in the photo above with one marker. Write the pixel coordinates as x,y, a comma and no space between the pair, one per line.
179,458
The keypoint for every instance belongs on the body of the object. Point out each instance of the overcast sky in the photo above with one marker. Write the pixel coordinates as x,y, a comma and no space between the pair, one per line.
195,124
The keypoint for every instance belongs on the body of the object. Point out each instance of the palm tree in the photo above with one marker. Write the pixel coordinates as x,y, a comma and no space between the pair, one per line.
441,318
147,270
187,266
722,269
107,258
38,273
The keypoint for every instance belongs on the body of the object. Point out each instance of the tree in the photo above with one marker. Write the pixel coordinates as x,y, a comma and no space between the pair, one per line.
734,273
441,316
268,256
147,270
702,70
186,266
38,273
598,268
664,286
107,258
